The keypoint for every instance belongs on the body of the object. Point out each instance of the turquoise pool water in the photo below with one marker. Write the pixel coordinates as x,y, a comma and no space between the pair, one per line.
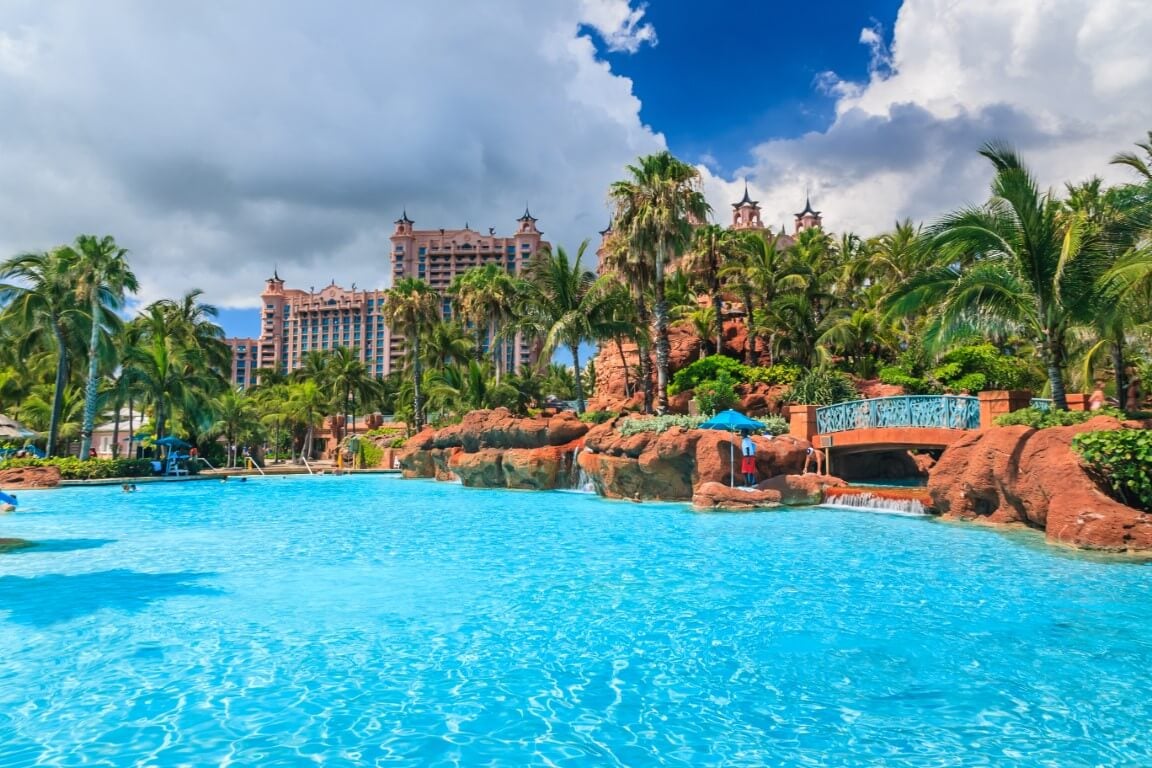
370,621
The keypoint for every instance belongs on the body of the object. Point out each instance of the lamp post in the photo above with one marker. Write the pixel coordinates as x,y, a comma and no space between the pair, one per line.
352,412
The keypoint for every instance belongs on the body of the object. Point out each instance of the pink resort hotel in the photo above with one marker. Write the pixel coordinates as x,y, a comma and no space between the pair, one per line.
294,322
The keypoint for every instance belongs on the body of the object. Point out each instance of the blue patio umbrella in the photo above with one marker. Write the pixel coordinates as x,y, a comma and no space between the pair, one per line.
172,442
731,421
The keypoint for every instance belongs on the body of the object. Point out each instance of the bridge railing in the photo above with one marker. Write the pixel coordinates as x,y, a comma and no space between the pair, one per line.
932,411
1041,403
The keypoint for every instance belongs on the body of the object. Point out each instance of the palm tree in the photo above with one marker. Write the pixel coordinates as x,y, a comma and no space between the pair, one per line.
236,419
102,277
1139,164
625,268
41,302
713,247
307,403
559,306
445,343
655,212
349,380
409,307
1013,261
485,296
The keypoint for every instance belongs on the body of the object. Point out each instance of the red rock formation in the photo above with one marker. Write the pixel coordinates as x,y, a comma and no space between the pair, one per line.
712,495
1007,475
796,490
538,469
669,465
30,477
482,469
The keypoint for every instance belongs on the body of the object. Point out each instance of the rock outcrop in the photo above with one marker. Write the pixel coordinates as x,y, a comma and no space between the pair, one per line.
30,477
494,449
669,465
712,495
1019,475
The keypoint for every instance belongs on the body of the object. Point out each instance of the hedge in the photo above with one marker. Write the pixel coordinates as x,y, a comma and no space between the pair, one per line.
1121,460
72,468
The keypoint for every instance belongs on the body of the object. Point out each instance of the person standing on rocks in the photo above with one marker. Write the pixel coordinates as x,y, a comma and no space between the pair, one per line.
748,458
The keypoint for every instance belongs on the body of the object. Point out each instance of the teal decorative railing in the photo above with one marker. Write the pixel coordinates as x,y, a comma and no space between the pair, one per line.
1041,403
935,411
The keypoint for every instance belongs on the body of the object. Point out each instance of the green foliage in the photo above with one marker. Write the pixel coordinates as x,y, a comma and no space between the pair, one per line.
1043,419
773,375
72,468
398,442
370,454
658,424
708,369
1122,460
822,386
981,366
596,417
898,376
716,394
775,425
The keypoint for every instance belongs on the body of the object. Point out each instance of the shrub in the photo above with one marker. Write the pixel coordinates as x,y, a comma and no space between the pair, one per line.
822,386
596,417
370,454
398,442
708,369
716,394
72,468
775,425
1121,460
1043,419
658,424
978,367
900,377
773,375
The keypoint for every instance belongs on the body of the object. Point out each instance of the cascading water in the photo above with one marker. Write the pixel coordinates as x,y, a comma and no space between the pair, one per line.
579,480
875,503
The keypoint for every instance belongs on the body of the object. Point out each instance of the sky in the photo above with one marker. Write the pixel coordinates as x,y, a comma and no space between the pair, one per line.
220,141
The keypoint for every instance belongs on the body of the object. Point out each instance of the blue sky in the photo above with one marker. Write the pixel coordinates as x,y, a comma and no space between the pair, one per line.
216,141
726,77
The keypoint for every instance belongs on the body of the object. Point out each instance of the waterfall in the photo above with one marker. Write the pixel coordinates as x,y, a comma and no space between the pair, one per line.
874,503
579,480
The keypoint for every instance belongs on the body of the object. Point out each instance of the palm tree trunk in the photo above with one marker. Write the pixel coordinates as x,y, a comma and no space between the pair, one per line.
644,353
718,307
1118,366
579,384
90,391
116,430
663,353
58,394
624,366
417,395
750,340
1055,374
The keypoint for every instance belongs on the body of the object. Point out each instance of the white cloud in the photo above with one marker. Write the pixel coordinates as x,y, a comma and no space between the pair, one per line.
1065,81
216,140
618,23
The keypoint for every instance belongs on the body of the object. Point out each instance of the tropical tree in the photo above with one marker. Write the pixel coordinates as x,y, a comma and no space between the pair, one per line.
349,380
1142,165
656,210
1013,261
713,248
625,267
409,307
101,277
237,418
307,404
485,297
38,299
559,306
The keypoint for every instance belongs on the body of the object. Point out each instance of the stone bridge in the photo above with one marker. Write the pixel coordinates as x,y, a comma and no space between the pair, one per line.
906,421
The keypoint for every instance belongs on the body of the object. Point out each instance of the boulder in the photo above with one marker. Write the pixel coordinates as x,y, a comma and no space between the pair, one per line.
538,469
30,477
480,469
713,495
801,490
1018,475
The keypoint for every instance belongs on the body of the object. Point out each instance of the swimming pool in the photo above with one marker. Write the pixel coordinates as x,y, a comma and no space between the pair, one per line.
366,620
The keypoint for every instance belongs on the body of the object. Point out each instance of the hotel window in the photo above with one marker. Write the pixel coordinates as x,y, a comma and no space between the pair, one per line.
511,250
422,250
